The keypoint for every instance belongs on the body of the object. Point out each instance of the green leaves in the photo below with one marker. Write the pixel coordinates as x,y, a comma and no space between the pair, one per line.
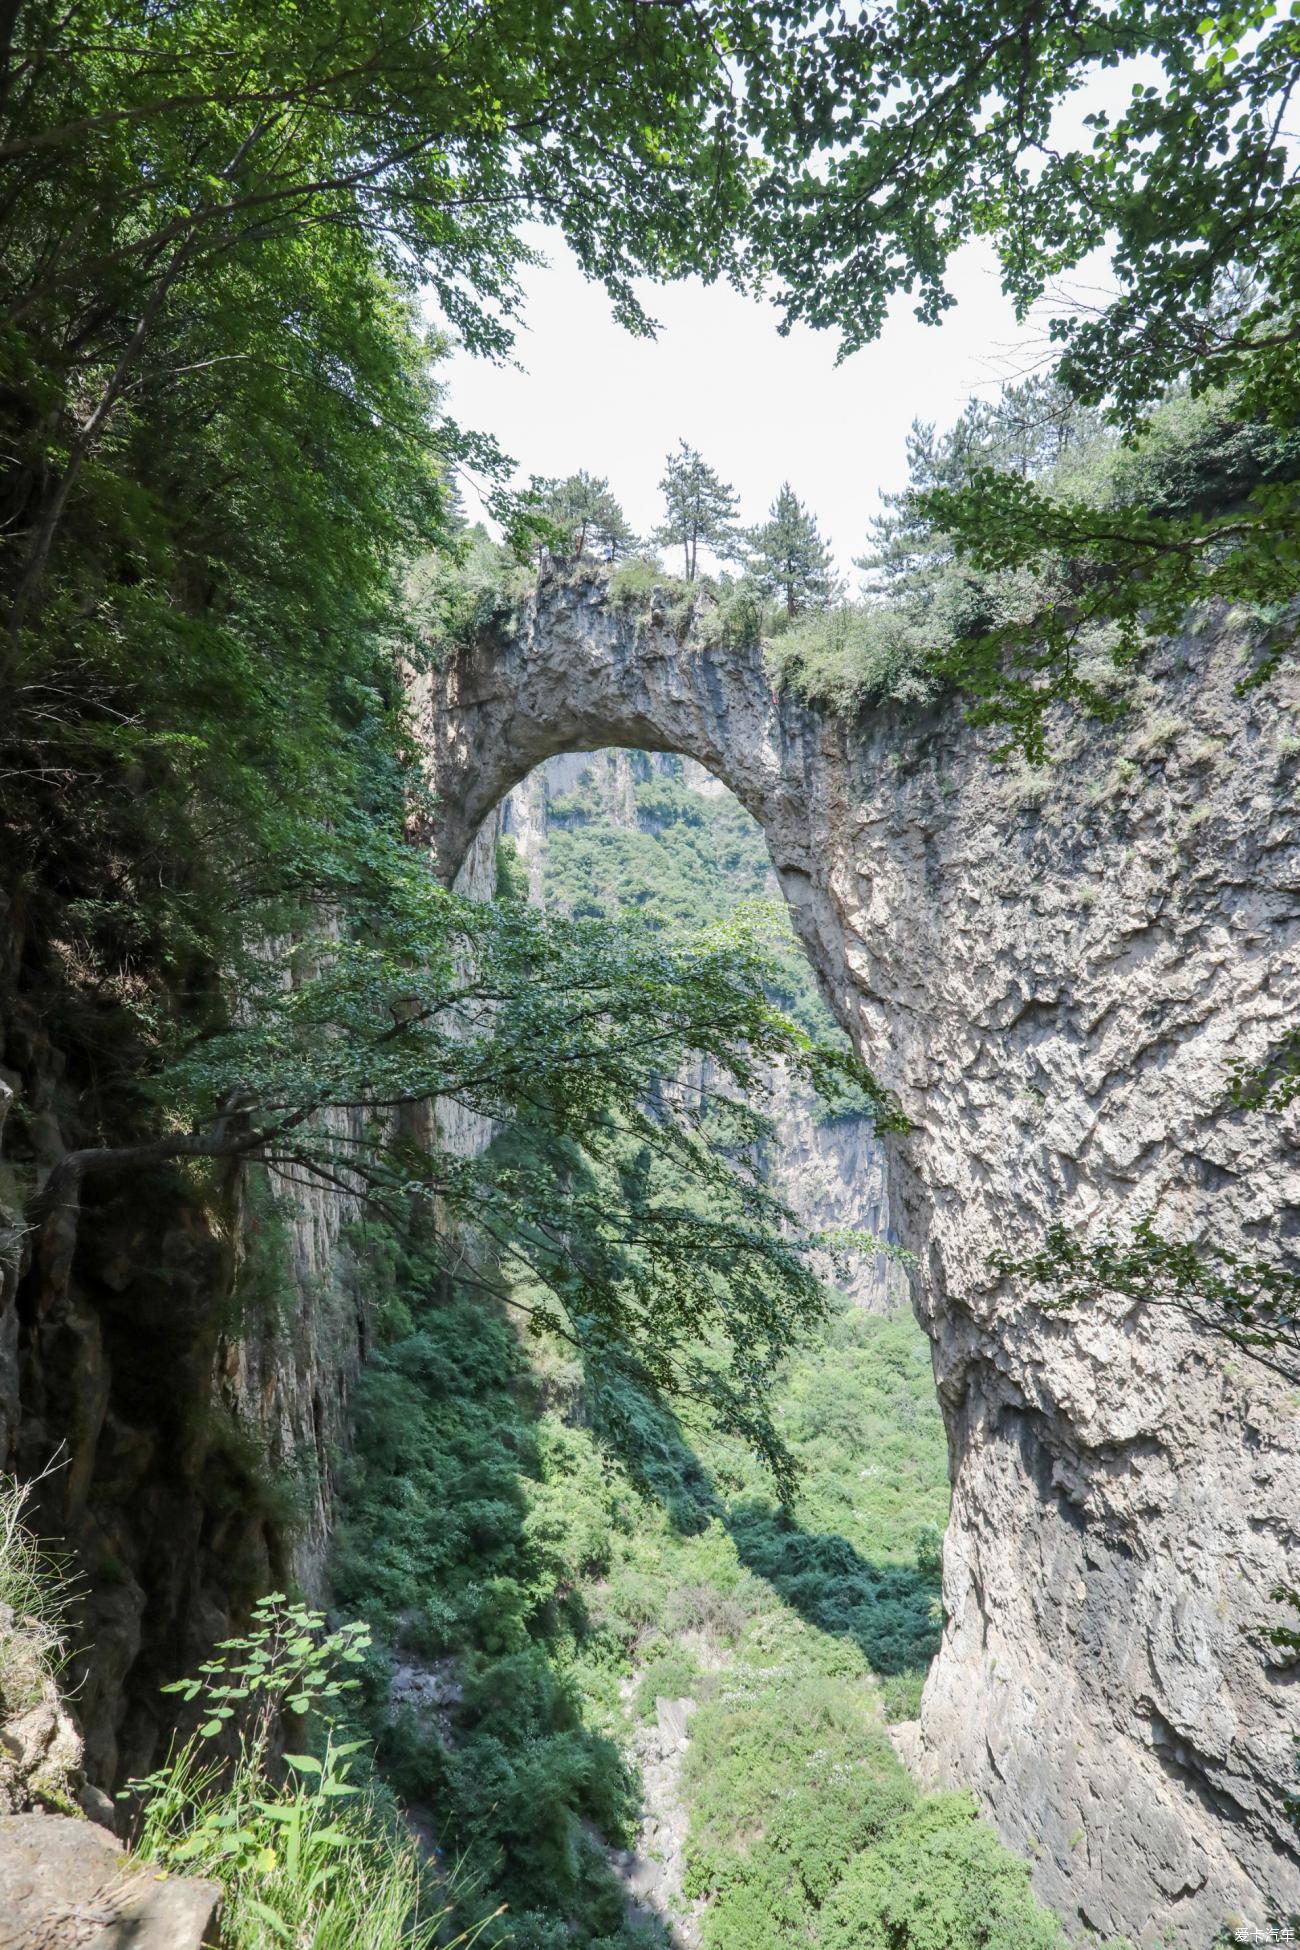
623,1211
788,559
699,507
1252,1303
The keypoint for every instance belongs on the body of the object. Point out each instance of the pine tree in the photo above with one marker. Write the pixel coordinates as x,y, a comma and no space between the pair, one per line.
700,507
788,558
1025,431
588,513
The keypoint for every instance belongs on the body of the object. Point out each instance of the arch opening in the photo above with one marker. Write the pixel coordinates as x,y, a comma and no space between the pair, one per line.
657,834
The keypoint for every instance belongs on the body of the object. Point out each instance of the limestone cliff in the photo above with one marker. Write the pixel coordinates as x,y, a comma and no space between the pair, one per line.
1055,972
179,1362
831,1174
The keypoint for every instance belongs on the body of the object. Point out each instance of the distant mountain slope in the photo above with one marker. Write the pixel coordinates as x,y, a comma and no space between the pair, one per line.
657,833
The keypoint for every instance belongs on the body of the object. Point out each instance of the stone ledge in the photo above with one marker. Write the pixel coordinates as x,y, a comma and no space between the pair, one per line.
67,1885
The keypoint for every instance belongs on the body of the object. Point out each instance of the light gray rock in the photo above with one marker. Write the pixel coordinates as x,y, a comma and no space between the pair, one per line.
66,1885
653,1872
40,1743
1056,979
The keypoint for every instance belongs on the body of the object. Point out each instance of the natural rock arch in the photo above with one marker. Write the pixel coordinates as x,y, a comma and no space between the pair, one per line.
1055,976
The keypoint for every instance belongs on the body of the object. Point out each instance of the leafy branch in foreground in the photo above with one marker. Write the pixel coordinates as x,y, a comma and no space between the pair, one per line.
1136,571
1254,1304
1272,1084
634,1213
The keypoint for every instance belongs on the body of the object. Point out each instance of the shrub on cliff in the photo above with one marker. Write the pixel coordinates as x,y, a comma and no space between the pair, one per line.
305,1854
940,1880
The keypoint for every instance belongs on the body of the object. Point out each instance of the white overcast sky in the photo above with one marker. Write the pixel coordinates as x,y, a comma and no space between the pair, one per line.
761,408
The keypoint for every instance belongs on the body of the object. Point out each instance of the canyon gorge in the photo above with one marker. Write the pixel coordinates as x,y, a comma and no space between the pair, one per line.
649,1129
1056,985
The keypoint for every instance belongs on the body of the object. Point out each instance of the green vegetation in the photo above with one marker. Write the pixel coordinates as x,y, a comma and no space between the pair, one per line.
788,560
938,1882
227,468
950,129
1018,626
229,533
689,860
1254,1304
561,1553
555,1553
305,1855
30,1588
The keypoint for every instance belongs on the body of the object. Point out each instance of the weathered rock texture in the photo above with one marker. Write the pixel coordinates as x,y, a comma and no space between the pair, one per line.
65,1885
1055,973
832,1175
174,1368
40,1746
653,1872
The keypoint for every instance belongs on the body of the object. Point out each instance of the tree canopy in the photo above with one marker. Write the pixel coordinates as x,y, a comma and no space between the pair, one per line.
586,515
953,132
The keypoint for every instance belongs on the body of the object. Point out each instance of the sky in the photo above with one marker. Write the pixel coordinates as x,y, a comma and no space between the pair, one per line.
762,409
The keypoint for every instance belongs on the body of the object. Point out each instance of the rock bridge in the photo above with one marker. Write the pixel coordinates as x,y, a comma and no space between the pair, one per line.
1055,972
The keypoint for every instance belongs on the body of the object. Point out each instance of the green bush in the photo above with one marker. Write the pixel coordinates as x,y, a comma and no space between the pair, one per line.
856,654
633,582
304,1854
940,1880
471,1516
672,1674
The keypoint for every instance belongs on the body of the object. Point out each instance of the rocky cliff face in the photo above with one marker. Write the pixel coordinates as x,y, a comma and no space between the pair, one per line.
1055,972
175,1369
179,1365
831,1174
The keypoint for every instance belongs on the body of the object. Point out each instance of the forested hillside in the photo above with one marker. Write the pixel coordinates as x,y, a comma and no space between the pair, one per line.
653,836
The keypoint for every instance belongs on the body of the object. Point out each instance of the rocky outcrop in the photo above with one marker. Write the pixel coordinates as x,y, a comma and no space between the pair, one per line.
653,1871
41,1759
830,1173
1055,971
65,1885
174,1375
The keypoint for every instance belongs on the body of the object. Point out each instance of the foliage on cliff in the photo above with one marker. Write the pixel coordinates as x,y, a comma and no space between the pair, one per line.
303,1852
1000,570
554,1550
960,128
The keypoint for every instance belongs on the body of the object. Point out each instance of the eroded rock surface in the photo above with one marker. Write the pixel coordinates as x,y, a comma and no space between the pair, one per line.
66,1885
653,1872
1056,973
174,1381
